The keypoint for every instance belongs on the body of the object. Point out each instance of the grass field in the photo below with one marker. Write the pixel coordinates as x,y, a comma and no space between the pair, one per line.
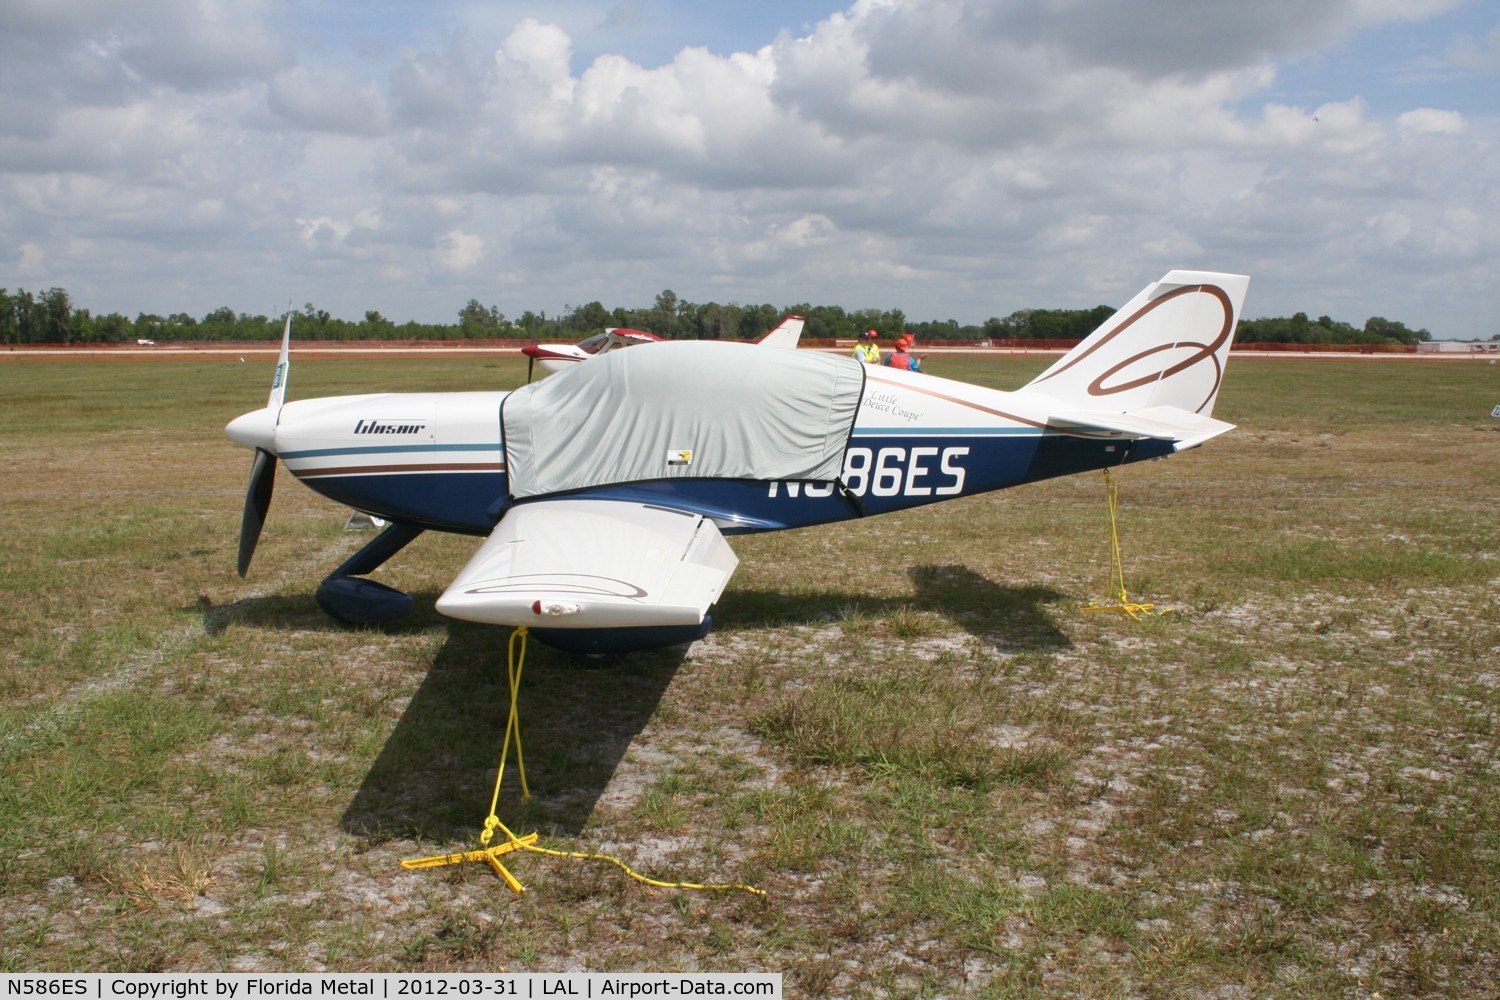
949,779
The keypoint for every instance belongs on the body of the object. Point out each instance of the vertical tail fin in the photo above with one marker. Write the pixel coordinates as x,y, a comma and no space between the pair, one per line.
1166,347
785,334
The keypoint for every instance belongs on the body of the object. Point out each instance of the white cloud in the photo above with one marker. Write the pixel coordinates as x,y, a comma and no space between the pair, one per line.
458,250
543,51
32,260
1431,120
323,229
808,231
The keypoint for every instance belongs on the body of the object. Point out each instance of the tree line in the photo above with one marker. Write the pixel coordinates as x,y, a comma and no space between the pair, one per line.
50,317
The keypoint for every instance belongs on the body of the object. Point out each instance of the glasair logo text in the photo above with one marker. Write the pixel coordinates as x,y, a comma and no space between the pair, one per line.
378,426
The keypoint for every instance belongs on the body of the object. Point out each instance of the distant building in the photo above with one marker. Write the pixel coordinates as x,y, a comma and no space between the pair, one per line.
1456,347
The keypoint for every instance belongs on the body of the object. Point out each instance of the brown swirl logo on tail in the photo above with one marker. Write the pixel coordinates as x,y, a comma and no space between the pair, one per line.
1102,386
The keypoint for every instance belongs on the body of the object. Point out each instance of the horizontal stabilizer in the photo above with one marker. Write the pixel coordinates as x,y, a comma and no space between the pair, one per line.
1183,428
593,564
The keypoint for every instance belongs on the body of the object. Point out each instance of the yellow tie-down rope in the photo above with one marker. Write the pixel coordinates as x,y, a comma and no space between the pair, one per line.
1124,605
491,855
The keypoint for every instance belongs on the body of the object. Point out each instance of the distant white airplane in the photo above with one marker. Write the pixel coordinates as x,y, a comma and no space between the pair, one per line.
607,490
556,357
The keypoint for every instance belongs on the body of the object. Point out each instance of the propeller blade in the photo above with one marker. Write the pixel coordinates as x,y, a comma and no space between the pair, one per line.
283,366
530,360
257,502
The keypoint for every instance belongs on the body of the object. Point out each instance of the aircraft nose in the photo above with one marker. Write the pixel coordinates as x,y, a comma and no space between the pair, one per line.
254,430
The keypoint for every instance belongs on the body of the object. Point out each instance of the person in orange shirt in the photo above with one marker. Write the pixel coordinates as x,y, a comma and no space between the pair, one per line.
902,357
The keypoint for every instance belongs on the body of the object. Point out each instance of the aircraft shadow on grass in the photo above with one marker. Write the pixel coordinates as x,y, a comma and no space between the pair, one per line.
301,611
433,777
1009,619
435,774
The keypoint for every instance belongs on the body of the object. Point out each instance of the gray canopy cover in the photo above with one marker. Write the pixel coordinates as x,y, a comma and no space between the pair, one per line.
688,409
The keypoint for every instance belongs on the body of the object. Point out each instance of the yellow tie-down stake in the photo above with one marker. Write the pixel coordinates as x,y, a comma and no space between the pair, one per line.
489,854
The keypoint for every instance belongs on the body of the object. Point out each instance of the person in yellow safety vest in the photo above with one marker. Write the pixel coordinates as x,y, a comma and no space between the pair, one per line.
902,357
867,350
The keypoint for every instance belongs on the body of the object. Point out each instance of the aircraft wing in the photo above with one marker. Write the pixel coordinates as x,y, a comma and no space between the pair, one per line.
593,564
1183,428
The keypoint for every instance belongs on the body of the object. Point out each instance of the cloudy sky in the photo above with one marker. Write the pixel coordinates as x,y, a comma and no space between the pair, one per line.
953,158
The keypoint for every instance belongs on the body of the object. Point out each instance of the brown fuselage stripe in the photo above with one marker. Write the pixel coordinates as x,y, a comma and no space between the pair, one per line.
961,402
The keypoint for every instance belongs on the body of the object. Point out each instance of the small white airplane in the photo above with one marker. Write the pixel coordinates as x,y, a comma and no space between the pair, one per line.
605,492
556,357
